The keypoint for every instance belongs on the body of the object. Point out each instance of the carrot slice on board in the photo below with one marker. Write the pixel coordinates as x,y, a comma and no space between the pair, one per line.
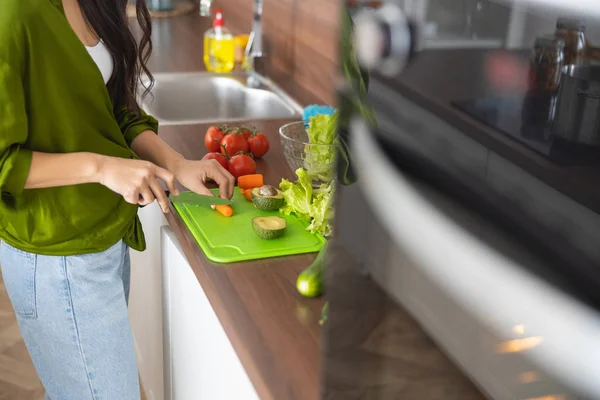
225,210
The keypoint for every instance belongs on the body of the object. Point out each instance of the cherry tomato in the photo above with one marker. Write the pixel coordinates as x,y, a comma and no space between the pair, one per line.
219,157
233,143
212,139
259,145
241,165
245,132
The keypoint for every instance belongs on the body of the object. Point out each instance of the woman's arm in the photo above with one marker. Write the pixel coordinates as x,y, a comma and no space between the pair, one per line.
135,180
52,170
149,146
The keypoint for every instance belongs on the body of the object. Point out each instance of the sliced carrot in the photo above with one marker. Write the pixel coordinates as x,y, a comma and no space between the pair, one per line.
250,181
248,194
225,210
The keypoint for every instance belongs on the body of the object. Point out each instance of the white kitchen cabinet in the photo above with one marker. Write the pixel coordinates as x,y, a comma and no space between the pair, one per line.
145,303
200,362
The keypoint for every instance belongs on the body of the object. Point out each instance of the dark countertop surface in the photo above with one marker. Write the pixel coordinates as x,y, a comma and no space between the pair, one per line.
273,329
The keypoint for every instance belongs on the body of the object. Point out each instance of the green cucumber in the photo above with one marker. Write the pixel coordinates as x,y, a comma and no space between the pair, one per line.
310,282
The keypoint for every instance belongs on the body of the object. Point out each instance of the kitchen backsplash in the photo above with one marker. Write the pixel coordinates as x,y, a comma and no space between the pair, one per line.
301,40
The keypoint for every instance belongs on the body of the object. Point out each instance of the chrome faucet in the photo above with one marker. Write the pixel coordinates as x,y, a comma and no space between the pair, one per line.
254,49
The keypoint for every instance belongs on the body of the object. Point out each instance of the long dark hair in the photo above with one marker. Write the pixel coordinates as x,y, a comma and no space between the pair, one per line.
108,19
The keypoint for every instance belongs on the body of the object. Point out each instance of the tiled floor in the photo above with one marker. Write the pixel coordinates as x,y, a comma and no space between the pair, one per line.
18,379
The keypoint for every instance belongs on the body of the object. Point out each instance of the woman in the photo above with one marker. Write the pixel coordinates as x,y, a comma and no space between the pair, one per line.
77,159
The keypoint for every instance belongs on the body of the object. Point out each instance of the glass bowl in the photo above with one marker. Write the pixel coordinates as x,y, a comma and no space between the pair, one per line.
318,159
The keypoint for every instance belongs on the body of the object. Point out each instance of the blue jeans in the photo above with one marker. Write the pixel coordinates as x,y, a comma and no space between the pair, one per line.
72,312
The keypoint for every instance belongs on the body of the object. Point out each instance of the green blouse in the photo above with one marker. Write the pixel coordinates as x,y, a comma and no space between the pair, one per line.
53,99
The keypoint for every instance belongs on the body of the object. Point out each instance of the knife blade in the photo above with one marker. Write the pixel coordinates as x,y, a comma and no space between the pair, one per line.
198,199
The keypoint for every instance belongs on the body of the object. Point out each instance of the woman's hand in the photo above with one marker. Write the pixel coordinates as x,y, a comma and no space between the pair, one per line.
194,174
136,180
191,174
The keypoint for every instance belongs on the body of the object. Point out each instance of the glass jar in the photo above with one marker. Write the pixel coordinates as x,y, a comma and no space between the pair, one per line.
547,60
572,31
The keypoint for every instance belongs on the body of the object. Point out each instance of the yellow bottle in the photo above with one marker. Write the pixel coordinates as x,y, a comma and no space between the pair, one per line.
219,46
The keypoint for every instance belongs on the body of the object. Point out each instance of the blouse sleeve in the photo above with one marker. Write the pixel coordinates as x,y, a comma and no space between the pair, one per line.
132,125
15,158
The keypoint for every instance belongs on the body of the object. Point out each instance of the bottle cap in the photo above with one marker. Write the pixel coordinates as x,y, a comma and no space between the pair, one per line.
218,21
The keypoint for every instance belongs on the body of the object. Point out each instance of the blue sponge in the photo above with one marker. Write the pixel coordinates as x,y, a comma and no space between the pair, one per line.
315,109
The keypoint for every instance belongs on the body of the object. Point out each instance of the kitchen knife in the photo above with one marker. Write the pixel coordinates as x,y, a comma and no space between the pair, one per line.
198,199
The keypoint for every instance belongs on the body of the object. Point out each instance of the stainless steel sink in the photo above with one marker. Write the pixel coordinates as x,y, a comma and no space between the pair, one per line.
200,97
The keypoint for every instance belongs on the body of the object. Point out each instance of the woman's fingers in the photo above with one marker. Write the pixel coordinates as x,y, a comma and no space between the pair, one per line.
168,178
160,195
145,196
199,188
150,189
224,179
133,197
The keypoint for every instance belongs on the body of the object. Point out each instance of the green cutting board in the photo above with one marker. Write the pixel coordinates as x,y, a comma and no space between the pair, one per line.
227,240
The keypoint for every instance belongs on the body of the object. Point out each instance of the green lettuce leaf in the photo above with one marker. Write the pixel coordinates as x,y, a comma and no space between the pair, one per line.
322,210
320,160
322,129
311,205
297,195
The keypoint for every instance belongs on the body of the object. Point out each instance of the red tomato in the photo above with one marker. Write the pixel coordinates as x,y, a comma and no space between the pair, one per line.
245,132
219,157
241,165
233,143
212,139
259,145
